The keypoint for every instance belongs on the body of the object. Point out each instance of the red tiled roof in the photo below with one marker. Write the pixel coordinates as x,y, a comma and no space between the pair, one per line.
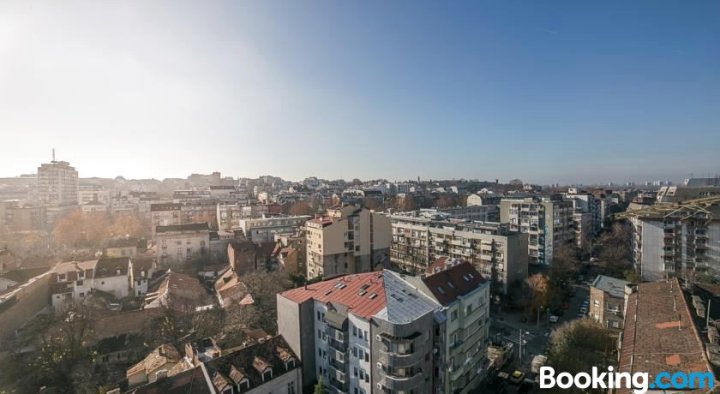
659,334
453,282
355,294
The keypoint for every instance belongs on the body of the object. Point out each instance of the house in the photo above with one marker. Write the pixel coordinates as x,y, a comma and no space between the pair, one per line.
118,349
245,256
267,367
231,291
71,282
161,363
607,301
143,269
113,275
178,292
122,247
191,381
179,244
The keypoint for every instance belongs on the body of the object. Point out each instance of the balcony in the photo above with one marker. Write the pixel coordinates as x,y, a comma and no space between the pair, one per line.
403,383
337,345
337,372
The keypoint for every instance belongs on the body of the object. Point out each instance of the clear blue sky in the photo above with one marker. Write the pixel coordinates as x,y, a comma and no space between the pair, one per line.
545,91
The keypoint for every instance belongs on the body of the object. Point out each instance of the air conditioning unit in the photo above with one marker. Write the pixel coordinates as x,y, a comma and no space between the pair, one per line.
379,365
379,386
378,338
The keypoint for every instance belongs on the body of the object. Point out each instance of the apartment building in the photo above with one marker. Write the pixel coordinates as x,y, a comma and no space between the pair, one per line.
583,226
179,244
586,203
88,193
671,240
382,332
494,250
57,184
547,221
607,301
229,215
170,214
265,229
461,336
347,240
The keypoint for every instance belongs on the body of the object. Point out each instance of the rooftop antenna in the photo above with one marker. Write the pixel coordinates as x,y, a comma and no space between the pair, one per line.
53,154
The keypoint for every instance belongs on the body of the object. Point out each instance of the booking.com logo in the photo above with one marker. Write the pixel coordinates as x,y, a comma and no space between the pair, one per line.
639,382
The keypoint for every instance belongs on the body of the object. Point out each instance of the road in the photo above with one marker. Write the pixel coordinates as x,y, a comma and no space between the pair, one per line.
535,338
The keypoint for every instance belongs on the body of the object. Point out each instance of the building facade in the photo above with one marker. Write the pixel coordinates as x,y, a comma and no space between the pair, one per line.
179,244
382,332
57,184
494,250
547,221
348,240
670,240
265,229
607,301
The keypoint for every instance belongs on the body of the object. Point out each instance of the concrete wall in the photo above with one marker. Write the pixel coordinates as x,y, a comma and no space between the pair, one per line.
295,324
23,303
652,267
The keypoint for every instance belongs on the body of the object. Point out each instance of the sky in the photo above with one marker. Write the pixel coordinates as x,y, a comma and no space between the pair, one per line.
545,91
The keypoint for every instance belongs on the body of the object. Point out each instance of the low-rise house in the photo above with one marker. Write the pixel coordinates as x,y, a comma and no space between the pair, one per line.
113,275
607,301
143,269
268,367
264,229
179,244
178,292
219,241
231,291
119,349
161,363
71,282
245,256
122,247
192,381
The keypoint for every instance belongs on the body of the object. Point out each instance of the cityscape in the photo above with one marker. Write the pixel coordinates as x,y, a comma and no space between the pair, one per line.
324,197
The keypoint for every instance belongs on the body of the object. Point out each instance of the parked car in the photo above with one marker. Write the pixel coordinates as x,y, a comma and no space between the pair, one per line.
584,310
553,319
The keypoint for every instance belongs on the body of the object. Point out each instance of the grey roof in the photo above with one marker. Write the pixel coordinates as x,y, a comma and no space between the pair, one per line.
403,302
613,286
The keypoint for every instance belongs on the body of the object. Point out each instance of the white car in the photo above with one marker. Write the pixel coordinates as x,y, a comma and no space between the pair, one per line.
553,319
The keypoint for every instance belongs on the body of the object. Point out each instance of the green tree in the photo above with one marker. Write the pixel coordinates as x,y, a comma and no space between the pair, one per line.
579,345
319,389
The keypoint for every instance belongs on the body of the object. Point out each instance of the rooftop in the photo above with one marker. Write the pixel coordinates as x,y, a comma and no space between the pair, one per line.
659,334
183,227
250,363
112,266
453,282
613,286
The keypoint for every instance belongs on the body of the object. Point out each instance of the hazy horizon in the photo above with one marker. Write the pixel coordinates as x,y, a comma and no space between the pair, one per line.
561,92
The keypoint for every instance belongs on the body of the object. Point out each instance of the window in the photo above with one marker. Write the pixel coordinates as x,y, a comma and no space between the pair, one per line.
318,315
453,316
354,331
355,372
319,334
367,357
79,283
291,388
366,335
